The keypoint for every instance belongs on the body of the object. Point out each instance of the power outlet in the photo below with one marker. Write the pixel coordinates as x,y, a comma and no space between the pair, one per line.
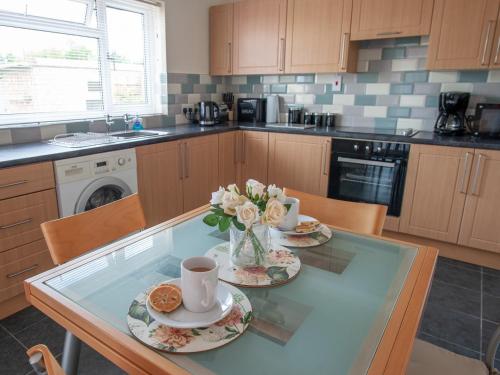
337,83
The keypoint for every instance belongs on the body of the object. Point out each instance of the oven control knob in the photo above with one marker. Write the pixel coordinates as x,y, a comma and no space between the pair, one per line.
121,161
368,148
356,147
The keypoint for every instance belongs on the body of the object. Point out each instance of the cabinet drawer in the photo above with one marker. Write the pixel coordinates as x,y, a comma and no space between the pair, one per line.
20,218
22,252
26,179
13,274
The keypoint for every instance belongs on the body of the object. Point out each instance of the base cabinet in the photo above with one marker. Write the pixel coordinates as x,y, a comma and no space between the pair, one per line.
253,160
481,220
300,162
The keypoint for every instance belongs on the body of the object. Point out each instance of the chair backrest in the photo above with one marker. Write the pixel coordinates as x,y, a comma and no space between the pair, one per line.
74,235
362,218
40,353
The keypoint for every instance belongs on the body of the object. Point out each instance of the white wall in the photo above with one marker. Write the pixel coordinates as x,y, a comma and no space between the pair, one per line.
186,23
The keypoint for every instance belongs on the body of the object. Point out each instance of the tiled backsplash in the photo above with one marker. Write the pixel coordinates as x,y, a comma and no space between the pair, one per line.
391,90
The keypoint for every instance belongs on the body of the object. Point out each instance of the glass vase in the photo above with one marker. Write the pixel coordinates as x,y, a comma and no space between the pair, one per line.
249,247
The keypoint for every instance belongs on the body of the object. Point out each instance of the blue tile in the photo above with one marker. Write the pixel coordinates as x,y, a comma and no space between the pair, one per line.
398,112
385,123
393,53
421,76
187,88
211,88
324,99
246,89
473,76
163,77
367,78
408,40
365,99
287,79
164,99
78,127
401,88
171,98
193,78
278,89
253,79
168,121
305,78
431,101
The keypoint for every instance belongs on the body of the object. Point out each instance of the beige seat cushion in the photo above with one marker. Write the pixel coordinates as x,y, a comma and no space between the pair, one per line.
429,359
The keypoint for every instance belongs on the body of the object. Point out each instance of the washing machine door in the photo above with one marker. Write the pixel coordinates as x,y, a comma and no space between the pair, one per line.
100,192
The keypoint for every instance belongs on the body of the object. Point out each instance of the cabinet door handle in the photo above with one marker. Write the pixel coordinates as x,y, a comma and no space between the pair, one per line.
463,188
497,51
282,55
477,175
186,161
389,33
235,148
14,184
181,161
16,224
230,59
343,46
486,42
325,160
243,156
18,273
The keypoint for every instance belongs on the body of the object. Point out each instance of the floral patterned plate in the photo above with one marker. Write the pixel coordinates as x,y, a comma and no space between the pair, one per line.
189,340
281,266
307,240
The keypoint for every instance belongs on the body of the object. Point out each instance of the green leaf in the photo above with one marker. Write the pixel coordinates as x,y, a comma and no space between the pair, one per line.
217,210
230,336
277,274
230,329
237,224
138,311
211,219
224,223
195,332
247,317
287,206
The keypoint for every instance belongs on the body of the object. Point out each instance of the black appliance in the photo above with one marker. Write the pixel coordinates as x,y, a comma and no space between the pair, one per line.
486,121
207,113
452,107
369,171
251,109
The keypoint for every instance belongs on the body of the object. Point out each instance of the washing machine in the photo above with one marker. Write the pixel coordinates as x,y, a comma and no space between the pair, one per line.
87,182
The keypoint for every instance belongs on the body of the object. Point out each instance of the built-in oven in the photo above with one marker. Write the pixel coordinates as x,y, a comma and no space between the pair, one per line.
368,171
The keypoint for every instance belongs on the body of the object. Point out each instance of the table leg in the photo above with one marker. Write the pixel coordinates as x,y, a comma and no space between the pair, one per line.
71,354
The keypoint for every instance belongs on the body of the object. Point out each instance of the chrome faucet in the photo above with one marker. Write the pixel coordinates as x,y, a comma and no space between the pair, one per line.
109,122
127,118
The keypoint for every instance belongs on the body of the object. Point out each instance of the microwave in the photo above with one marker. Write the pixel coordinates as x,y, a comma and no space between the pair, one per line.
251,109
486,122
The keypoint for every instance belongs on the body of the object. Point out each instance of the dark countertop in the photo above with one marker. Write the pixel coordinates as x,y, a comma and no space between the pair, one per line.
26,153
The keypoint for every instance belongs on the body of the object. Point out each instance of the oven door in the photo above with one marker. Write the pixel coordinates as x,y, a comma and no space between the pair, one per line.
368,180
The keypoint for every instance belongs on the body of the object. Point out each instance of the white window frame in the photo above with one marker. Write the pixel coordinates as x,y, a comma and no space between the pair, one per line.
155,61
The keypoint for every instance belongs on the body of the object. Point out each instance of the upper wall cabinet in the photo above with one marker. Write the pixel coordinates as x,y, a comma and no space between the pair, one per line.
221,39
376,19
317,36
463,35
259,37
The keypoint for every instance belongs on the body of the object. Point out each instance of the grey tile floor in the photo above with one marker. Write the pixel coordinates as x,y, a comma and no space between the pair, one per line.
462,313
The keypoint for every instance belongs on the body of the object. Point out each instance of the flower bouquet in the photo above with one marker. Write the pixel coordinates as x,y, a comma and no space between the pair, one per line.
248,217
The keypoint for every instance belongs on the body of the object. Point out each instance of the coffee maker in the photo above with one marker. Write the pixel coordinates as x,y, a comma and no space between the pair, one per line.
452,118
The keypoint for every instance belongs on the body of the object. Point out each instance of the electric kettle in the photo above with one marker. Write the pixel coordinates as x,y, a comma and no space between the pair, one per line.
208,113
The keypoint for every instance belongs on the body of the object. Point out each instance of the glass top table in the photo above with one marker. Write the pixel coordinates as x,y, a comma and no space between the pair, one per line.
330,319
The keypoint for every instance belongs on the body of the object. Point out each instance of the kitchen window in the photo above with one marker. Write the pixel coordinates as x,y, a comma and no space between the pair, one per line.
79,59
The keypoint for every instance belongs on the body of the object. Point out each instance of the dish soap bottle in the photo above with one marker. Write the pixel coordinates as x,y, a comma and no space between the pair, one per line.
137,123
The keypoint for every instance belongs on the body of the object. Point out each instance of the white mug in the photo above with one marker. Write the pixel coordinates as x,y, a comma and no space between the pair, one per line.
199,279
291,219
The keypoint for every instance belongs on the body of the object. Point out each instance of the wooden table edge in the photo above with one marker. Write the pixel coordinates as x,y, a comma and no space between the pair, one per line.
127,353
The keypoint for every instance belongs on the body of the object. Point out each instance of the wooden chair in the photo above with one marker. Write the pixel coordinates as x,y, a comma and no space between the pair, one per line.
74,235
42,361
362,218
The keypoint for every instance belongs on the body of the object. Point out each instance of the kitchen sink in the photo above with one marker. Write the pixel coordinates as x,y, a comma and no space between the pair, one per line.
138,134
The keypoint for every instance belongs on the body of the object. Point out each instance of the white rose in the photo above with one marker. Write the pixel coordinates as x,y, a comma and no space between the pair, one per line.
276,192
233,188
230,200
217,196
255,188
275,212
247,214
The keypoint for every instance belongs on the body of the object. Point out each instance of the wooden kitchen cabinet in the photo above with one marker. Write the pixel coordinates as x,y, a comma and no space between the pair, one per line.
26,179
221,39
201,170
159,174
300,162
259,37
318,36
481,220
253,158
376,19
435,193
229,144
463,34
